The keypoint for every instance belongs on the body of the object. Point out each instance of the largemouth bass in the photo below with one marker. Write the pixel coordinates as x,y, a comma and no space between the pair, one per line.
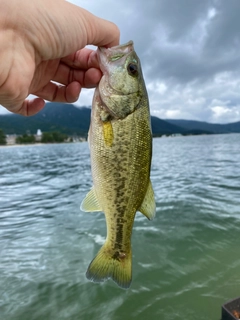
120,142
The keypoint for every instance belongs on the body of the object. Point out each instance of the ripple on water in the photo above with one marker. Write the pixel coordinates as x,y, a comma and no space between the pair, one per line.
185,262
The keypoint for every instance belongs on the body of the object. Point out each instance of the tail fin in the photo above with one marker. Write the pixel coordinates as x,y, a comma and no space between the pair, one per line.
110,263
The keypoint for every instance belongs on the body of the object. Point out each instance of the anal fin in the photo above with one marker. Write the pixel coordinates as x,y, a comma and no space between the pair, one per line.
90,202
148,206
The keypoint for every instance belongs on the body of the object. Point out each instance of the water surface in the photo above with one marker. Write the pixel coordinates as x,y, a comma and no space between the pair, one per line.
186,262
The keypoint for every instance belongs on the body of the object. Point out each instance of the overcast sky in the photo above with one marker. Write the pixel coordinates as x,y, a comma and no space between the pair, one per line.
189,50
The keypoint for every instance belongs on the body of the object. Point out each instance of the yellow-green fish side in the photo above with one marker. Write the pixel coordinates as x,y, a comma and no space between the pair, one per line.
121,152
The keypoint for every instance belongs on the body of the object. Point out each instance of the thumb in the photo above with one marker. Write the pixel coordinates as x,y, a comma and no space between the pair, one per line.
68,28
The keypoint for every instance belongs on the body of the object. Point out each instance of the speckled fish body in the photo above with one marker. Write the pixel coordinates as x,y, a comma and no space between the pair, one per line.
120,142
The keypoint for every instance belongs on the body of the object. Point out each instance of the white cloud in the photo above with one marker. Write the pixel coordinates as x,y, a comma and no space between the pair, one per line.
224,114
4,111
212,12
85,98
157,87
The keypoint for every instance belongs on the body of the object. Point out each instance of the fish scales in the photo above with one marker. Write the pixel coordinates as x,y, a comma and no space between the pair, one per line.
121,150
122,170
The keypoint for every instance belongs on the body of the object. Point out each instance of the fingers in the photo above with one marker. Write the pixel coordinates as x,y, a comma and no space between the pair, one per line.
87,79
60,93
51,92
82,66
67,28
31,107
91,78
98,32
103,33
82,59
70,79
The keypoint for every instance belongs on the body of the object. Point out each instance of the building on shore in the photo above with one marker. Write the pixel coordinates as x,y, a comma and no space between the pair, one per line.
11,139
38,135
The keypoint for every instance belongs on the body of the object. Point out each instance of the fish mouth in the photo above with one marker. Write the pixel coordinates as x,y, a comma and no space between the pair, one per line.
106,55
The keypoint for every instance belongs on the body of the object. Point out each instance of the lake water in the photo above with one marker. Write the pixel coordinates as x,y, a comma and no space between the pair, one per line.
186,262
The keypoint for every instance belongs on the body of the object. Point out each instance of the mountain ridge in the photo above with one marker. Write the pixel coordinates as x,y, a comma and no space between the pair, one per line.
203,125
72,120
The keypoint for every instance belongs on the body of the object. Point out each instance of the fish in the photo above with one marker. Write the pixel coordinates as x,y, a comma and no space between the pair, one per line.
120,141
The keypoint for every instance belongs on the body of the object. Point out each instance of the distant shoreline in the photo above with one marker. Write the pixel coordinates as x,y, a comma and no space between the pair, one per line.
162,137
37,144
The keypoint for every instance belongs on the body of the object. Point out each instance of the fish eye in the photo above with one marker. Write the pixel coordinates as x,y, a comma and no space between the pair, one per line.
132,69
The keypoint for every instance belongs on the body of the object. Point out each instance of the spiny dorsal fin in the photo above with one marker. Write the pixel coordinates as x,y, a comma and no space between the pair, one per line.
90,202
148,206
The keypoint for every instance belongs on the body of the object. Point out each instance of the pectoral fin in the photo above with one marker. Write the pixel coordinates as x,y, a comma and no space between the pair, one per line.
148,206
90,202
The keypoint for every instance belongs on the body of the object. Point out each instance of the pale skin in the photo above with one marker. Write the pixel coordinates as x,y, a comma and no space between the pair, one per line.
43,41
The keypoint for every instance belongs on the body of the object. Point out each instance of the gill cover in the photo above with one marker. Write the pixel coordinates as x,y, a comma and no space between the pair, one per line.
121,85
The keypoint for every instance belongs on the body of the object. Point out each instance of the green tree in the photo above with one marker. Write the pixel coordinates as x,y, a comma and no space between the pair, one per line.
51,137
47,137
26,138
2,138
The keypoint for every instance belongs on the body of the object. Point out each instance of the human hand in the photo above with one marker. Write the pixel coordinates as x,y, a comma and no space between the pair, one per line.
44,41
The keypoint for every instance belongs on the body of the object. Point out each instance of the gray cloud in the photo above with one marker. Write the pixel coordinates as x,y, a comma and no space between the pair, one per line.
189,51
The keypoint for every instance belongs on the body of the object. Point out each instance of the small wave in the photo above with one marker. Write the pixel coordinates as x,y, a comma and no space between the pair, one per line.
97,238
